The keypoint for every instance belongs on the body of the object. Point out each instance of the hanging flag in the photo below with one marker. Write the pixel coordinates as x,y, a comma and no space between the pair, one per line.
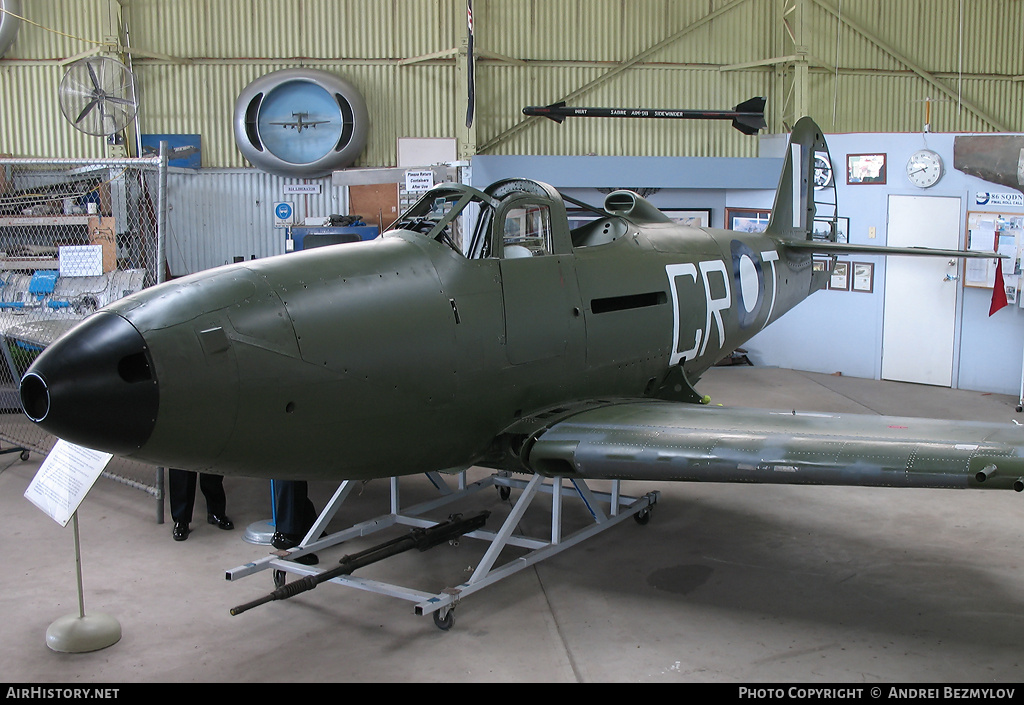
998,290
470,67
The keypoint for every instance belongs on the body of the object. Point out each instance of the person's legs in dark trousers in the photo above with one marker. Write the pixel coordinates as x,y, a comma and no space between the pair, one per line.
181,490
295,512
294,516
212,487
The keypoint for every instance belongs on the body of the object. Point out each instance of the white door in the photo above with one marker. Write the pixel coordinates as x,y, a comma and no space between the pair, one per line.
920,302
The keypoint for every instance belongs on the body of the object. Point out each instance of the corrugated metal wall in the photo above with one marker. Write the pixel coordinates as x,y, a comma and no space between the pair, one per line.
218,215
562,46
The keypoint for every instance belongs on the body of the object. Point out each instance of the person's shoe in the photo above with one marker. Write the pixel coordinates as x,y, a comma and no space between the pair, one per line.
180,532
285,541
221,522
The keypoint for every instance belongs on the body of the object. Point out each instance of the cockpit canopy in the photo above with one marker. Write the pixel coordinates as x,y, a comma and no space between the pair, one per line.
512,218
519,218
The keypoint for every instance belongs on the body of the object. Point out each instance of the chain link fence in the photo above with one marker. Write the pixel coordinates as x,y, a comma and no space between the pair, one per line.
75,235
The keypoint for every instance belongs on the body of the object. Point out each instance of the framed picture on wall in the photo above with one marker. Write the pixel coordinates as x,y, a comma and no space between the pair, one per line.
840,279
865,169
183,150
863,277
697,217
747,220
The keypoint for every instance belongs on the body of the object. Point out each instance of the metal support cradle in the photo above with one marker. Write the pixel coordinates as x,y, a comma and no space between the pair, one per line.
606,508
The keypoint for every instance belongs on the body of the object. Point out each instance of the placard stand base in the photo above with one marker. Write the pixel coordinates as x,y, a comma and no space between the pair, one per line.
79,633
76,634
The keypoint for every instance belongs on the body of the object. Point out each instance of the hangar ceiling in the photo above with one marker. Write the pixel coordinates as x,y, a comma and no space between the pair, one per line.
850,64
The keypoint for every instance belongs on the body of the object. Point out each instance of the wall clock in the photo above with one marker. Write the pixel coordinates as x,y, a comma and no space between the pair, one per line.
300,122
924,168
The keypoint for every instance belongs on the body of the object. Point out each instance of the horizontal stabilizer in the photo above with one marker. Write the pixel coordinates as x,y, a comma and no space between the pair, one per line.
843,248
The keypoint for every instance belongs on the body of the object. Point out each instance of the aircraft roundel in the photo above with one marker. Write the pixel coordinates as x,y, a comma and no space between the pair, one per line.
748,277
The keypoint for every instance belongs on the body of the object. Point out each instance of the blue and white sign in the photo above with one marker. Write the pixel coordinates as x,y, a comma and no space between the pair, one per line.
1015,200
283,214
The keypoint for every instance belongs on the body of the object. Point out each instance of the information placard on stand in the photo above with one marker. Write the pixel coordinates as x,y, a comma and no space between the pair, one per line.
64,478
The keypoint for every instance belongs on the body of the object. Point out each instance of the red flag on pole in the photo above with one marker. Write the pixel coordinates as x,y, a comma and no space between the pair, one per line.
998,290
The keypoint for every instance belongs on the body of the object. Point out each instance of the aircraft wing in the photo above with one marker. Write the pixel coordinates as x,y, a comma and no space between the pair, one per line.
673,441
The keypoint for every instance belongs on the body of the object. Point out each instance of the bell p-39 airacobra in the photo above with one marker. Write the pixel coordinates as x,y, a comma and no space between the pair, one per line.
536,348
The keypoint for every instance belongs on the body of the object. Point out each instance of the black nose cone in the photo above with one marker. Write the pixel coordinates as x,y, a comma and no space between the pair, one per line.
95,386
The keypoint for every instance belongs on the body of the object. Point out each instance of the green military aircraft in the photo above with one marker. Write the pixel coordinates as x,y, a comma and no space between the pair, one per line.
534,348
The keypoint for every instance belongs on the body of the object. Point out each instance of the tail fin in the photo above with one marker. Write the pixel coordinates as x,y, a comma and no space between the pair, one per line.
804,216
805,201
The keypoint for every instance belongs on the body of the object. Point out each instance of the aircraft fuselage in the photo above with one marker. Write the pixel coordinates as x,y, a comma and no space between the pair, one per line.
402,355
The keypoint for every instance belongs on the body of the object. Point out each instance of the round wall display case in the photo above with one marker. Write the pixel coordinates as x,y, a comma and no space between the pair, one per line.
300,122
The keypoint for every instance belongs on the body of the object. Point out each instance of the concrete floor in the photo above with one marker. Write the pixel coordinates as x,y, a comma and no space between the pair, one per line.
727,583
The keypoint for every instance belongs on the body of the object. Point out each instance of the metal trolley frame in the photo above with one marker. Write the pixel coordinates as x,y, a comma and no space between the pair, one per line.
606,508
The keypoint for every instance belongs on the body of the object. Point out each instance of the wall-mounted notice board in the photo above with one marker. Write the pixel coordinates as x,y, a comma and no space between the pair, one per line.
1001,233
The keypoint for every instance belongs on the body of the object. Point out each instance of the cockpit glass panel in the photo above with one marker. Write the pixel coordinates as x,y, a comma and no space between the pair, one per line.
444,213
527,231
515,215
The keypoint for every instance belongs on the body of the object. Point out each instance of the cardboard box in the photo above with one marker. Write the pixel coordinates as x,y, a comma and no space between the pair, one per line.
102,231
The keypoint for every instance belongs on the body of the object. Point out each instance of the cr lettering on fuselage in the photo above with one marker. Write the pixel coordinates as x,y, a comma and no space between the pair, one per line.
713,277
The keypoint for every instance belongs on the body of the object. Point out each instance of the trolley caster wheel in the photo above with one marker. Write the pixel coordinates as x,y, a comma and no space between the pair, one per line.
25,455
643,517
444,623
1020,408
504,493
279,578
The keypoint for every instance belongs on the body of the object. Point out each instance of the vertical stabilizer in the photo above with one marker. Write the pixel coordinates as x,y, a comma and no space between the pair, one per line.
805,202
